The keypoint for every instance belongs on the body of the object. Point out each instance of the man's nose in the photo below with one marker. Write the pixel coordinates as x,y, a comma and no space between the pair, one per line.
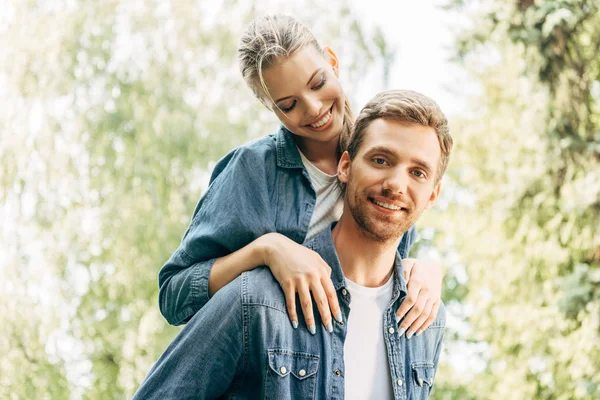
396,181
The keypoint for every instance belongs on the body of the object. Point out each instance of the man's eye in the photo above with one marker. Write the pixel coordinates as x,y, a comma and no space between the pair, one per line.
288,109
379,161
419,174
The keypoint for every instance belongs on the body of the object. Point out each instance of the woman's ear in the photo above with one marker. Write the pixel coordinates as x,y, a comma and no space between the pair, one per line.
333,60
344,167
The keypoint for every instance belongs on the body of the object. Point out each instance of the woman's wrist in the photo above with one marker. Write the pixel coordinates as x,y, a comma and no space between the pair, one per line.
266,246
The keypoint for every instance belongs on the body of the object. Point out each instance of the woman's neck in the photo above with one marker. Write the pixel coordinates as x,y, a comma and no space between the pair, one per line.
322,155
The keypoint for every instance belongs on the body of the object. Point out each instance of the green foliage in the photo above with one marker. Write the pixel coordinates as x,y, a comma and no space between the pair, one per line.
529,156
116,111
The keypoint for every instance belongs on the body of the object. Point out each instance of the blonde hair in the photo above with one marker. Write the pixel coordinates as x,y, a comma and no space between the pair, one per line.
409,107
266,40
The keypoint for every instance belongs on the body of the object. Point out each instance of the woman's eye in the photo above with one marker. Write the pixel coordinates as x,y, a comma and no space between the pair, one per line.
321,83
288,109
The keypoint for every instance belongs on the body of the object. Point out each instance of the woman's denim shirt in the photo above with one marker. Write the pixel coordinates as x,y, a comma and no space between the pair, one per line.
257,188
241,345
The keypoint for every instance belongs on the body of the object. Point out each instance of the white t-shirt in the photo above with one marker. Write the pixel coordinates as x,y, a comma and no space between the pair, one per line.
329,204
365,354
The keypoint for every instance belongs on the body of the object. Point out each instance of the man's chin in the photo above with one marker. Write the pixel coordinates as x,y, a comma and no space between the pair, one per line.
382,234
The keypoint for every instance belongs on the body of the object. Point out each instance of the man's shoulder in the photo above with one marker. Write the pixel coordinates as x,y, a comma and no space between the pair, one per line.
260,288
440,319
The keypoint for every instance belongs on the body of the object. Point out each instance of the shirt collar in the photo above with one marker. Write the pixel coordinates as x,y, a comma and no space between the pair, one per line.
287,152
323,244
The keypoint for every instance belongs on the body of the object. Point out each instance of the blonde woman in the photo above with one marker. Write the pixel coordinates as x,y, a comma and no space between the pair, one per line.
267,197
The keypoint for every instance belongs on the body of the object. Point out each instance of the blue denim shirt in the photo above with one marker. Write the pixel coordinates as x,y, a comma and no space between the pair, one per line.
242,345
257,188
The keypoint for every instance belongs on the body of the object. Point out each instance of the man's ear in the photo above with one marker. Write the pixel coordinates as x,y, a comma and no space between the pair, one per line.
333,60
344,166
434,195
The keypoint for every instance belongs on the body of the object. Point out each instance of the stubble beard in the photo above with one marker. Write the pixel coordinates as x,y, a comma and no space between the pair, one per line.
379,228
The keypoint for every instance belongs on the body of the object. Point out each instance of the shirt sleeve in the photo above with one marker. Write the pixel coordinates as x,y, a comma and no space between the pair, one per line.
205,358
235,210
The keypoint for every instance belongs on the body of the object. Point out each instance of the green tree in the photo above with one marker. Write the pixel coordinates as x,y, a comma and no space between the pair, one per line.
525,211
115,113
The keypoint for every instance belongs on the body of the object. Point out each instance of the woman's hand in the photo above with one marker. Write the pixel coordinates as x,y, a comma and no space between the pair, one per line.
421,305
301,270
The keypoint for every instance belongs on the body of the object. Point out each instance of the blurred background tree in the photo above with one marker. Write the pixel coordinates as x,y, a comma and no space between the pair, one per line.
525,212
113,115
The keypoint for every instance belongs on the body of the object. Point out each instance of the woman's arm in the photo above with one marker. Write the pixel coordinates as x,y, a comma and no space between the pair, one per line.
234,211
424,284
296,268
233,231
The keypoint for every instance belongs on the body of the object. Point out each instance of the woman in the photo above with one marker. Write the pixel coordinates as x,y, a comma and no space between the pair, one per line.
270,195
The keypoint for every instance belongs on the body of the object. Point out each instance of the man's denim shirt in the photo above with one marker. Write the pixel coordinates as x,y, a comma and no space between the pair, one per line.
258,188
242,345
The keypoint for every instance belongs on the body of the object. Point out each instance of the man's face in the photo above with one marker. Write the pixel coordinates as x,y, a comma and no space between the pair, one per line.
391,180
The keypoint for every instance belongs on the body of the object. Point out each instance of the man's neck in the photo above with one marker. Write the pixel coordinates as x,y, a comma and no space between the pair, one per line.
364,260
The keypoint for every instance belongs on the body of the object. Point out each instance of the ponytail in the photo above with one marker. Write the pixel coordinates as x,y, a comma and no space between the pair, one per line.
347,125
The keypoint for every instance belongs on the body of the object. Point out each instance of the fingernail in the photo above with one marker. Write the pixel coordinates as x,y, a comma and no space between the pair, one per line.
419,333
398,319
312,329
295,324
409,334
329,327
338,317
401,331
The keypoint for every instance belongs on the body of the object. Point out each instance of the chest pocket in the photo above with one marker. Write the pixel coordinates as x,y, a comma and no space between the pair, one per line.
423,373
291,375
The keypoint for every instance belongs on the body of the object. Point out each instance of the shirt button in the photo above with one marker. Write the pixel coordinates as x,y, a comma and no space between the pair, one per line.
399,382
391,330
302,372
337,372
283,370
344,292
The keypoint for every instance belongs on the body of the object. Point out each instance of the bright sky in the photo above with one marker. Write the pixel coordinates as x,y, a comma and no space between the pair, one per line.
422,34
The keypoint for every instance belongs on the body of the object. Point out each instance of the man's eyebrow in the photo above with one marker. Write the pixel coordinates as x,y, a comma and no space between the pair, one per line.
381,149
307,83
423,164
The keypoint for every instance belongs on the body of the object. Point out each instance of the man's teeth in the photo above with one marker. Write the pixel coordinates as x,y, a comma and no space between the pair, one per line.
385,205
323,121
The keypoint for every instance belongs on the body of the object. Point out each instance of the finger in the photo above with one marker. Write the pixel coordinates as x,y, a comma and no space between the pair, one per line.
411,297
408,264
417,325
432,317
414,312
320,298
307,308
290,301
334,304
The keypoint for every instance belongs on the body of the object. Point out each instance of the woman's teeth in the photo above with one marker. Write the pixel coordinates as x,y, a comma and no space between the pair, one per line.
323,121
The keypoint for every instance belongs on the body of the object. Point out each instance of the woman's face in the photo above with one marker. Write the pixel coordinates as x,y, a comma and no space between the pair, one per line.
307,96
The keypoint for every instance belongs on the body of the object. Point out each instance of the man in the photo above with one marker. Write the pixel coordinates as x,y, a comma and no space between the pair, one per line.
242,345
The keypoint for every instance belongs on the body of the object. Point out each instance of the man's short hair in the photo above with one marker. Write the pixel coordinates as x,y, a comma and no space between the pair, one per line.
409,107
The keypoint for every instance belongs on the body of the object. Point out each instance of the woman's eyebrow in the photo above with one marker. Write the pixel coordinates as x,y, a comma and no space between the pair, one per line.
307,83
